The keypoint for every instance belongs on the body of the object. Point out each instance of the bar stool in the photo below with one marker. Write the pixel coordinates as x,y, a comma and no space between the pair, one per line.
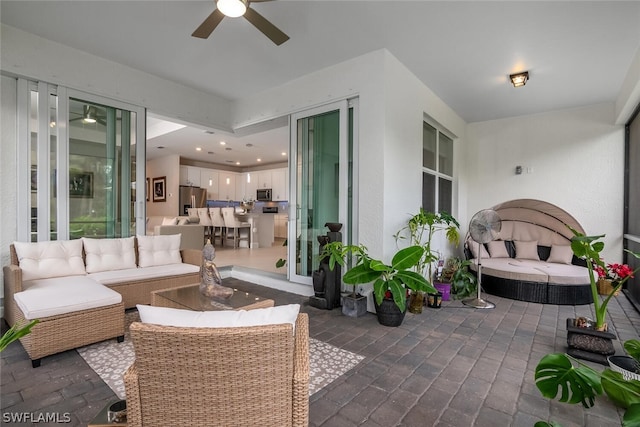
205,220
218,225
234,227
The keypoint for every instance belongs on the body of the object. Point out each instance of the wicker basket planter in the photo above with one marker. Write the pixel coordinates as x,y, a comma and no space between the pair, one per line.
626,365
606,286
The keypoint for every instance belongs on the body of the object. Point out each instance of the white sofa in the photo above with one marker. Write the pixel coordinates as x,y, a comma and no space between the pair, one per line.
79,289
193,233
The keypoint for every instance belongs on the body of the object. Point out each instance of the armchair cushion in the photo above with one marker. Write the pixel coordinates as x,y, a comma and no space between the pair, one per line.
56,258
109,254
158,250
219,319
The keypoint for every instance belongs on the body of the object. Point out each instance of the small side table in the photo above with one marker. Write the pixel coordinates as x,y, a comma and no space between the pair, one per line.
101,419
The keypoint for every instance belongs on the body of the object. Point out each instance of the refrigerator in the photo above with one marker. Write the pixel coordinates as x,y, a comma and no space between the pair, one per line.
191,197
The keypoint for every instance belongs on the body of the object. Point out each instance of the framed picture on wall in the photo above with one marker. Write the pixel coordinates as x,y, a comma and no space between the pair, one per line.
147,189
160,189
81,185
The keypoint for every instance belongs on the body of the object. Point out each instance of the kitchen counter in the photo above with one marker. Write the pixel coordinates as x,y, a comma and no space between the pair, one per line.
262,227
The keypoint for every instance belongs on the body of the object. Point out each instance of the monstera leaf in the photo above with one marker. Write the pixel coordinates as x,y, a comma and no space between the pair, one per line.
578,385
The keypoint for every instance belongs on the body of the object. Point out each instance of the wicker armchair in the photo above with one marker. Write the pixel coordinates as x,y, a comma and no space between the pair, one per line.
245,376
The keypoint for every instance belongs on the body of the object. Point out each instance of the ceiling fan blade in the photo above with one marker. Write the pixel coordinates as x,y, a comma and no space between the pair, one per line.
206,28
266,27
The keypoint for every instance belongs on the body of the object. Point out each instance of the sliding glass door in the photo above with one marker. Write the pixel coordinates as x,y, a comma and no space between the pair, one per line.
319,172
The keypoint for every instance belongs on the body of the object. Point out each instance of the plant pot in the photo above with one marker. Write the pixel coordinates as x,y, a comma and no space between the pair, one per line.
434,300
416,301
626,365
354,307
388,312
606,286
588,344
444,289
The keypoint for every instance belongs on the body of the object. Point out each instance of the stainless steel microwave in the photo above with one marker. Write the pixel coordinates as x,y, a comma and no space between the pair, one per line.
263,195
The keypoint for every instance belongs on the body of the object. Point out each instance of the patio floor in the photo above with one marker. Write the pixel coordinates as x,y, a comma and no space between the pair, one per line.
454,366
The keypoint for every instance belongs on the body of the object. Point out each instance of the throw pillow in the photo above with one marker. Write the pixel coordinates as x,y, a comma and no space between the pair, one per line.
109,254
527,250
219,319
183,221
497,249
169,221
56,258
159,250
473,247
561,254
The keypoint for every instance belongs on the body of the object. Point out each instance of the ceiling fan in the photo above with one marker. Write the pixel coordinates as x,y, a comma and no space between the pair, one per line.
234,9
91,114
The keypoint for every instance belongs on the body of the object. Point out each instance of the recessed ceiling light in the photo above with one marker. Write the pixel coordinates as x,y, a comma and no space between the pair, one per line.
223,143
259,160
284,154
237,163
198,148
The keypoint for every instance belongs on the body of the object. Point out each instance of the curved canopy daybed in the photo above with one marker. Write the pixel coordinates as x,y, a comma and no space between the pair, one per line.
532,258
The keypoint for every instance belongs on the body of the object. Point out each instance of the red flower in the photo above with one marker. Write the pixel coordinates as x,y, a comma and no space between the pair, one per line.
387,294
614,271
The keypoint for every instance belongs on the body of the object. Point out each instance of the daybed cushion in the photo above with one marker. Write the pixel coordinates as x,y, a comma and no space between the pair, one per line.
158,250
56,258
507,268
219,319
134,274
50,297
560,273
473,247
109,254
497,249
561,254
527,250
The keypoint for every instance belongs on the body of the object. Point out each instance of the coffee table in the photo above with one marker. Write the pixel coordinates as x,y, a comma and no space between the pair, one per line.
189,297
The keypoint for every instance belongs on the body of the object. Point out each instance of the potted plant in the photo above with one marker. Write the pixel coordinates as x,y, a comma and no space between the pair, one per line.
610,276
628,366
16,332
419,231
391,282
582,384
353,304
463,282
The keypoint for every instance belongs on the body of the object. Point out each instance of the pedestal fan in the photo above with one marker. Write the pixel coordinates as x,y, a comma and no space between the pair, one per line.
483,228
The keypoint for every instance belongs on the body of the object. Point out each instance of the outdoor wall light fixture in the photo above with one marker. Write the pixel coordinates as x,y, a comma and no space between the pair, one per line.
519,79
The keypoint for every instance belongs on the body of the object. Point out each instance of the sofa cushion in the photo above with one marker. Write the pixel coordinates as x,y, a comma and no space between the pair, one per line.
56,258
561,254
527,250
115,277
219,319
169,221
158,250
109,254
497,249
61,295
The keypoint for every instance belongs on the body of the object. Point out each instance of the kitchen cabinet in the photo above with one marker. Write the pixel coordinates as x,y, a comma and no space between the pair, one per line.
240,188
190,175
263,179
279,185
227,185
250,184
209,180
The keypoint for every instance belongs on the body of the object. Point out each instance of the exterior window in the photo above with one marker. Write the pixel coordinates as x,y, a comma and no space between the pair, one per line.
437,170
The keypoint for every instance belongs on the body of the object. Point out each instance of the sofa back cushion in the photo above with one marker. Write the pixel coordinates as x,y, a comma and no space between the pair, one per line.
109,254
56,258
158,250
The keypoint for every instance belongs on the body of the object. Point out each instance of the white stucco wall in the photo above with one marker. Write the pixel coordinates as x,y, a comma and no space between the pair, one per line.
576,158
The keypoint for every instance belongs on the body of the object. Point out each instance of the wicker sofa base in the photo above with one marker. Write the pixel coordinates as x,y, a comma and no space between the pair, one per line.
544,293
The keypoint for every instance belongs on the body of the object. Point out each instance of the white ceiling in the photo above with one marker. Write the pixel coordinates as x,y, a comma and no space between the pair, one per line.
577,52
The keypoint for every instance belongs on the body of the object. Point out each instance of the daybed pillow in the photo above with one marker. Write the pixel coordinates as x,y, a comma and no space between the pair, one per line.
527,250
109,254
169,221
497,249
219,319
561,254
159,250
56,258
473,247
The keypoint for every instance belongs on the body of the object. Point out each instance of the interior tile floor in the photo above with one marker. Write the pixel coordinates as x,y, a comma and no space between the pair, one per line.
454,366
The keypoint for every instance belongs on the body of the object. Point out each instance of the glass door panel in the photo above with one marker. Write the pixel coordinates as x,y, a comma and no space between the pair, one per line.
319,166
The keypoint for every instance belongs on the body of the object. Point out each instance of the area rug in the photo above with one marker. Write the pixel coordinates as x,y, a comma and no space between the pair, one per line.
110,360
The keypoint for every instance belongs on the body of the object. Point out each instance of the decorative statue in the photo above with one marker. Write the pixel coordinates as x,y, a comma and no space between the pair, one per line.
210,280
